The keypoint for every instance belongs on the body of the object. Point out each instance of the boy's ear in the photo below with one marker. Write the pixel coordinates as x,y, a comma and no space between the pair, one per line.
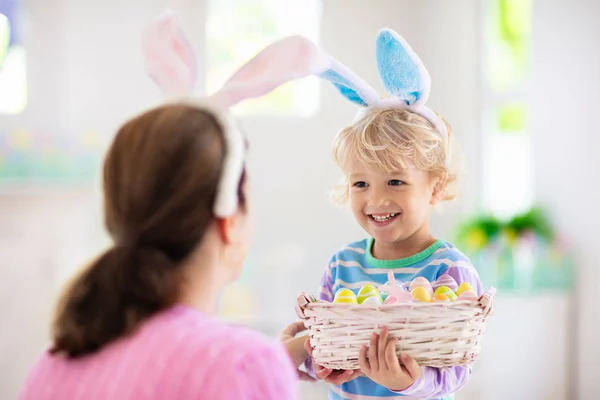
438,193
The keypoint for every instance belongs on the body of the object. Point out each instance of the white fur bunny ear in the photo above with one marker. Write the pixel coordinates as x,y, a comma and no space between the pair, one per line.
171,63
285,60
170,60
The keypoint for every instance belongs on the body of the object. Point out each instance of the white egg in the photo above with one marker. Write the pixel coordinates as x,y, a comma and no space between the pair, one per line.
372,301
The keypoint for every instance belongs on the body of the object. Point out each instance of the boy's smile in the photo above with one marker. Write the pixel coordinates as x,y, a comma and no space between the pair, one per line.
392,207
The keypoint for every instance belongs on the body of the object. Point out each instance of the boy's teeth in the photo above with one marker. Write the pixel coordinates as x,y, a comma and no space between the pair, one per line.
382,218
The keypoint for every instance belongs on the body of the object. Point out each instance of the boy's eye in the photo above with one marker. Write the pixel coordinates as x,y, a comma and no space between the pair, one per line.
360,184
395,182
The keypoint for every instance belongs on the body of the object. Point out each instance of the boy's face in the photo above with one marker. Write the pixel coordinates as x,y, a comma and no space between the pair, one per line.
391,207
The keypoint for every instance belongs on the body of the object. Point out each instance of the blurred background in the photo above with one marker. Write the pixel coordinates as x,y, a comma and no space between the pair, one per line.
517,79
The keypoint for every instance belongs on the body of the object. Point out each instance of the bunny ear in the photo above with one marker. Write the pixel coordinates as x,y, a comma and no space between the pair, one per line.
401,70
291,58
288,59
350,85
170,60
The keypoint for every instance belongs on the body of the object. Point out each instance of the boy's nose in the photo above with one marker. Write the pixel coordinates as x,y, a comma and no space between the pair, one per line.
379,199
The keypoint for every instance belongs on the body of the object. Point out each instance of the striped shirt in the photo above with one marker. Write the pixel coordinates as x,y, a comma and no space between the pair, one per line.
178,354
354,266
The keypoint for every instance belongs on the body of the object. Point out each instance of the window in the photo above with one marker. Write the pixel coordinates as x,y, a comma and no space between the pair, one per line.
13,69
238,29
508,150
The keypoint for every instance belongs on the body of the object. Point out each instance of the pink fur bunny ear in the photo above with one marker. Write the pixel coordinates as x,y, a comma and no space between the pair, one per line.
171,63
170,60
285,60
290,58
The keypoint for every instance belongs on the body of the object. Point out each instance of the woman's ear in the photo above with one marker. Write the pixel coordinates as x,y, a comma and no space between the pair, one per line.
230,229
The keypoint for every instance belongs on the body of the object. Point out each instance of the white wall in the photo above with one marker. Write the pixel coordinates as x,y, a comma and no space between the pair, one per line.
566,87
86,73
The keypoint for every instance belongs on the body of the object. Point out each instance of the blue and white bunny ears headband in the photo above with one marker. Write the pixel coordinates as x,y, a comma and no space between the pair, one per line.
403,75
171,63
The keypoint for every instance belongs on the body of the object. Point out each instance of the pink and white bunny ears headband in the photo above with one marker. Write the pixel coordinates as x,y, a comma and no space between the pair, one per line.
403,75
171,63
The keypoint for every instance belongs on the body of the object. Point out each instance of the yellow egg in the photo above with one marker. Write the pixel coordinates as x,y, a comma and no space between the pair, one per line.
366,292
445,290
421,293
345,296
441,298
464,287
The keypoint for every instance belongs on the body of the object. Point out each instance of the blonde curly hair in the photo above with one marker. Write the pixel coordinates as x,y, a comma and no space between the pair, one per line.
393,139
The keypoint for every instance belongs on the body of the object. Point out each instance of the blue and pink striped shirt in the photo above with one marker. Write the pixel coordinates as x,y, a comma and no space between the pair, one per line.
354,266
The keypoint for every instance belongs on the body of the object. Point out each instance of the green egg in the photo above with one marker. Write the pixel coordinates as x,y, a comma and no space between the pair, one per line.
367,291
447,291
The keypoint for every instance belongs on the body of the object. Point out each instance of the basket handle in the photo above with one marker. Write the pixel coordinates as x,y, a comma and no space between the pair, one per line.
301,302
486,300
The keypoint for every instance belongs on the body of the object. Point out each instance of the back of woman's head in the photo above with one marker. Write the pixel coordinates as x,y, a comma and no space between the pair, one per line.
160,182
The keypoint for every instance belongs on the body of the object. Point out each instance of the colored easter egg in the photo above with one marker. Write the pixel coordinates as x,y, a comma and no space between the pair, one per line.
420,282
345,296
372,301
367,291
422,294
441,298
468,295
446,280
464,287
445,290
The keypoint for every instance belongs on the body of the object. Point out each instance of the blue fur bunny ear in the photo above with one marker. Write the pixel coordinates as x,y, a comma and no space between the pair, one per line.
350,85
401,70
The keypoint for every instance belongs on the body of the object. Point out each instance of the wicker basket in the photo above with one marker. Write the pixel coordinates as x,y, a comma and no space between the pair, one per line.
435,334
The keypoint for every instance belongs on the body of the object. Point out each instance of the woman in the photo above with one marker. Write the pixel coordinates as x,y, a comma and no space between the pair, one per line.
139,322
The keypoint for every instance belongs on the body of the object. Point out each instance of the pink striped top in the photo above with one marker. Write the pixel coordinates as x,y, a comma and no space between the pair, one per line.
179,354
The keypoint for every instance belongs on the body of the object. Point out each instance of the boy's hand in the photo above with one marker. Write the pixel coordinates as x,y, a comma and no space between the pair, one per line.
383,366
331,376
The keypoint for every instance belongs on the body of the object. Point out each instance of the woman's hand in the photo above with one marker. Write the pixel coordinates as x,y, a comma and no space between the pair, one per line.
383,366
331,376
296,346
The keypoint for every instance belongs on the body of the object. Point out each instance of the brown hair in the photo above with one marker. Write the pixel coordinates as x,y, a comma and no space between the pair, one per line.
160,181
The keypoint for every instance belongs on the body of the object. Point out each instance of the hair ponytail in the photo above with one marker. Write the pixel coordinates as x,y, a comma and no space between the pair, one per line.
112,297
160,181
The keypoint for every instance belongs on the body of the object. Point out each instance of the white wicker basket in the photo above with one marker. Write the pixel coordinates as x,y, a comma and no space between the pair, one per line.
435,334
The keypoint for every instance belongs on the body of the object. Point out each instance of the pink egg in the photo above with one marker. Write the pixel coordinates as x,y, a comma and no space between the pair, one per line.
446,280
420,281
470,296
